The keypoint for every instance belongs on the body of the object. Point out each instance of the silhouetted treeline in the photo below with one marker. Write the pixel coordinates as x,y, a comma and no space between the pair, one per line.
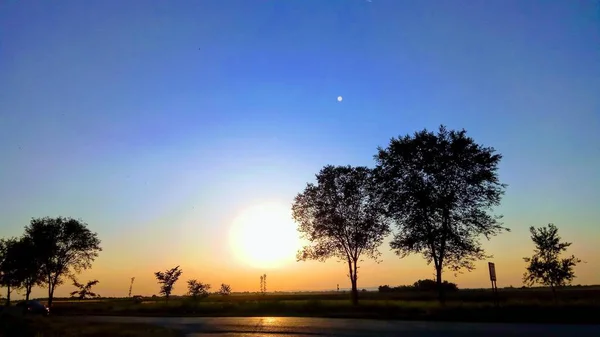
420,285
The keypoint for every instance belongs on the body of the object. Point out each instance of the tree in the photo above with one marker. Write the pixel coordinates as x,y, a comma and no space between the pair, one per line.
439,189
9,266
431,285
225,289
263,284
29,263
131,286
65,247
197,289
545,266
167,280
84,290
340,219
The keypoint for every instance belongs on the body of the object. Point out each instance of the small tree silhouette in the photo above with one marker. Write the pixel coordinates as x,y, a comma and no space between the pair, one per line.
131,286
197,289
263,284
167,279
225,289
84,291
545,266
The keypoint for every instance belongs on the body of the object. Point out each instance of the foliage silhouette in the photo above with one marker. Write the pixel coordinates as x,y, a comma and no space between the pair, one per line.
545,266
9,266
225,289
420,285
29,265
84,290
167,280
197,289
431,285
131,286
340,219
439,189
65,247
263,284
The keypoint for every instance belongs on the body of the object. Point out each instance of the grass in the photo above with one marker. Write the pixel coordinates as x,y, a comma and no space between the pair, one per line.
516,305
60,327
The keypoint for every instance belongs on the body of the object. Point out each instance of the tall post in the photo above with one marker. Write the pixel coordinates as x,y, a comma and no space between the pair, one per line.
492,268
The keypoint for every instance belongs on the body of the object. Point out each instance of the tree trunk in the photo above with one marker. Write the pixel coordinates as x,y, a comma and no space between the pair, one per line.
354,285
27,291
8,291
352,275
50,295
354,293
440,288
553,292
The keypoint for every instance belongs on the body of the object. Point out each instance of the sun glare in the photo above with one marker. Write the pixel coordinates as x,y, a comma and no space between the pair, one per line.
265,236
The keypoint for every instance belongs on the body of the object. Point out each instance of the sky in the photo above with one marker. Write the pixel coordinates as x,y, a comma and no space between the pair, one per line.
159,123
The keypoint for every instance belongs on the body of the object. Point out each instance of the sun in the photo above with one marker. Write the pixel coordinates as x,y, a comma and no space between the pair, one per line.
265,236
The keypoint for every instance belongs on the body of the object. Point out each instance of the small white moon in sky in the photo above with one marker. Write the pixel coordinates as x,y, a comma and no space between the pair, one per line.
340,98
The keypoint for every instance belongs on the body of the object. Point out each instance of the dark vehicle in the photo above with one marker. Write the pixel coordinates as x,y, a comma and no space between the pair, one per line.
33,308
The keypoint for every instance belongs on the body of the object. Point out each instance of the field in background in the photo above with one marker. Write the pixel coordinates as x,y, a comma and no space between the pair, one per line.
574,305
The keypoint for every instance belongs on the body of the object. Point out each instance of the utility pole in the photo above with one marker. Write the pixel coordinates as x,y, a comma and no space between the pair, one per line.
261,284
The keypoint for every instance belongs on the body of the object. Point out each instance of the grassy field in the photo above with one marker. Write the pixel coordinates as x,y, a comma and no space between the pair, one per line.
574,305
60,327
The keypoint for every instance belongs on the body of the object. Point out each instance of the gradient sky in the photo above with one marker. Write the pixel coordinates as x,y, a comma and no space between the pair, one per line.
158,122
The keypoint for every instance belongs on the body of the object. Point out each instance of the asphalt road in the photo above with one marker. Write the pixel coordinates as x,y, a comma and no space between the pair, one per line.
297,327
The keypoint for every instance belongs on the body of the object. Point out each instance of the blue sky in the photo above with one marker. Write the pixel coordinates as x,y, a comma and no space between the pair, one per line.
164,118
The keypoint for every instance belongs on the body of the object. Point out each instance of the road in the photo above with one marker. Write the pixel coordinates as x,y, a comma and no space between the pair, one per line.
298,327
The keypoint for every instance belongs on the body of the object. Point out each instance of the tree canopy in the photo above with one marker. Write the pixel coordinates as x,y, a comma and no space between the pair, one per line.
439,190
339,218
65,246
197,289
29,265
10,276
84,290
225,289
167,280
546,265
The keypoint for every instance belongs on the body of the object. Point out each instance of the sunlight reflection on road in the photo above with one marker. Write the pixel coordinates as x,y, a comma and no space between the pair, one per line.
298,327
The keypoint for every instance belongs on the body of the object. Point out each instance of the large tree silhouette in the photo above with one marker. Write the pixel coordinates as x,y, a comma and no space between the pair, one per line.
9,266
546,266
20,266
439,189
65,246
338,217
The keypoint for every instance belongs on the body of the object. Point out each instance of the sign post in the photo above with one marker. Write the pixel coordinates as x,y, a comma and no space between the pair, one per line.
492,268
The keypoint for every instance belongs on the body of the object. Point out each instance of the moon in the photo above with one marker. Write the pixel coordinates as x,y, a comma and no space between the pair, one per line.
340,98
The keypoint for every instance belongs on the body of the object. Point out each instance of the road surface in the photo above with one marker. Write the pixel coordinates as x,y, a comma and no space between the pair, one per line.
299,327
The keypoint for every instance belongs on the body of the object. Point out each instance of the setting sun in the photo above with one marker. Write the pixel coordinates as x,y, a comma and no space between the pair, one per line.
265,236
